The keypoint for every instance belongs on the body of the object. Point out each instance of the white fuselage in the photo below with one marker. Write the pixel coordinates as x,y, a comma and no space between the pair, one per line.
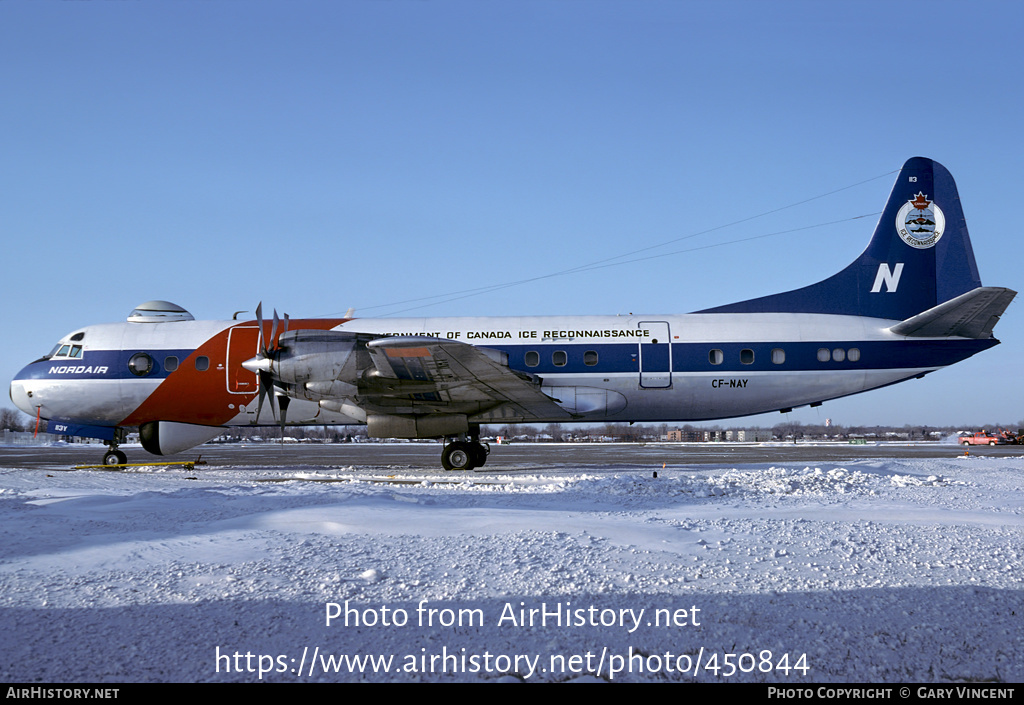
665,367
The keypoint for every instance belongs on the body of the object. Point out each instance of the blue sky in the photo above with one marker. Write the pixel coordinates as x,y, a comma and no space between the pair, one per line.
322,155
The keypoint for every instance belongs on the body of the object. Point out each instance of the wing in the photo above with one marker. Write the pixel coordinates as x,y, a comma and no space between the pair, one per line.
422,375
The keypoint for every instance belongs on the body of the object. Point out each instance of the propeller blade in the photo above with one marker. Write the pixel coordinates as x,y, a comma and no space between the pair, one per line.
259,323
284,402
262,364
266,389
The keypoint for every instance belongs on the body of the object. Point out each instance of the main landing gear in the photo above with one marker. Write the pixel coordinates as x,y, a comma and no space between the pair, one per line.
114,456
464,455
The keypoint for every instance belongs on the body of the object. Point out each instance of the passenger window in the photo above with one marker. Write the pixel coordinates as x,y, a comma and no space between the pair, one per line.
747,356
715,357
559,358
532,358
202,363
853,355
824,355
778,356
838,354
140,364
590,358
170,363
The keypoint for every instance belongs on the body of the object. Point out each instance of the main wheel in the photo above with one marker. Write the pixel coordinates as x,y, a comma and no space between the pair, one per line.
479,451
114,457
457,456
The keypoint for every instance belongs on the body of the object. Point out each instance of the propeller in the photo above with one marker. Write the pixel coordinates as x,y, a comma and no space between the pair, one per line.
263,366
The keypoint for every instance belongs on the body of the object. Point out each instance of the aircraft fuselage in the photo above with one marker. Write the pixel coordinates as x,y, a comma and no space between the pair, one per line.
688,367
910,304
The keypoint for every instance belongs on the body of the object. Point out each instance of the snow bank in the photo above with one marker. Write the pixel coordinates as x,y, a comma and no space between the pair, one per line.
870,571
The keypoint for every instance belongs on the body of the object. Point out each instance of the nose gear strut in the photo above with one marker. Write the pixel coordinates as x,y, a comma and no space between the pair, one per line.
113,456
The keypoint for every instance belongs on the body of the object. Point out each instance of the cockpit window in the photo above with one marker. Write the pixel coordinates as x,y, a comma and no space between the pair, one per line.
73,352
69,349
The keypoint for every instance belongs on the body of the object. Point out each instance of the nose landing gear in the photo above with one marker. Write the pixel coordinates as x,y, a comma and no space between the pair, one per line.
113,456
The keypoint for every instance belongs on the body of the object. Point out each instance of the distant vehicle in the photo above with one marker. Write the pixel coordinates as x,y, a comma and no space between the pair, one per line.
1013,438
981,438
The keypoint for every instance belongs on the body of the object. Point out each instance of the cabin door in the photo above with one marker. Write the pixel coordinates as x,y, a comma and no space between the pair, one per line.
655,355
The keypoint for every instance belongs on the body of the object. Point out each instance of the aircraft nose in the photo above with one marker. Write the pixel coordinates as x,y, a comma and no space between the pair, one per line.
22,397
22,392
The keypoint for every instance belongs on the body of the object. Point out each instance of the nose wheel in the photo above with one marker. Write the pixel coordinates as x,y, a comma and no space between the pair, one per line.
115,457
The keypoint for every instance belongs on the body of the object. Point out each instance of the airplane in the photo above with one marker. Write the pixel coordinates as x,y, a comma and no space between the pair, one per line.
910,304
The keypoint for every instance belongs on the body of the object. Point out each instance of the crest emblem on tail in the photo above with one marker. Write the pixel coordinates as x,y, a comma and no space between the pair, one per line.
920,222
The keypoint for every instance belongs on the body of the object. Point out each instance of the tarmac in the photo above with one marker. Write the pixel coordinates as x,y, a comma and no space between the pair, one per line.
532,457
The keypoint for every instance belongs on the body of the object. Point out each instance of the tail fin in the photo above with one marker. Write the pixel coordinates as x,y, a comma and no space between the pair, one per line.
919,257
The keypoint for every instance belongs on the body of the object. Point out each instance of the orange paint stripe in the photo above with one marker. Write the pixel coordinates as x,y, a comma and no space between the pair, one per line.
407,352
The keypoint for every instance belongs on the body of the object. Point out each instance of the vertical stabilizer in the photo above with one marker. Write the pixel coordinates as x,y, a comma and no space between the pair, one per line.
919,257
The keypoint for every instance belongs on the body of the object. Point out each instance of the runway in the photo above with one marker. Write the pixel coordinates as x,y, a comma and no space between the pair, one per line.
504,458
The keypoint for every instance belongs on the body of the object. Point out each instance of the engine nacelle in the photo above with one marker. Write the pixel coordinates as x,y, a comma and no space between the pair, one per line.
170,437
346,407
314,356
428,426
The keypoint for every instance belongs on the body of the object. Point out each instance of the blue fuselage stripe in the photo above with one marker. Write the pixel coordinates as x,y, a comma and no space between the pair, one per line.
612,358
615,358
102,364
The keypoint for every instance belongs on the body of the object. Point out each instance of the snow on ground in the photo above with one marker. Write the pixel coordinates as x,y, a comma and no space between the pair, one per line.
867,571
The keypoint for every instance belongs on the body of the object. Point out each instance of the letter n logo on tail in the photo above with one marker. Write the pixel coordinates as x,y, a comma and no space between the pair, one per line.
889,278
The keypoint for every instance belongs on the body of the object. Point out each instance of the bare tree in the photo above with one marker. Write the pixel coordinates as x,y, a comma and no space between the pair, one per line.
10,420
555,431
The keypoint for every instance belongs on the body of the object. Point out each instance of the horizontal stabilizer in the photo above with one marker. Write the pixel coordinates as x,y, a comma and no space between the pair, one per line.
970,315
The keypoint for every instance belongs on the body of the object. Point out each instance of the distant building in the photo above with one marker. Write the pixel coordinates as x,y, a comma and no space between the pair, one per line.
703,436
679,435
749,435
